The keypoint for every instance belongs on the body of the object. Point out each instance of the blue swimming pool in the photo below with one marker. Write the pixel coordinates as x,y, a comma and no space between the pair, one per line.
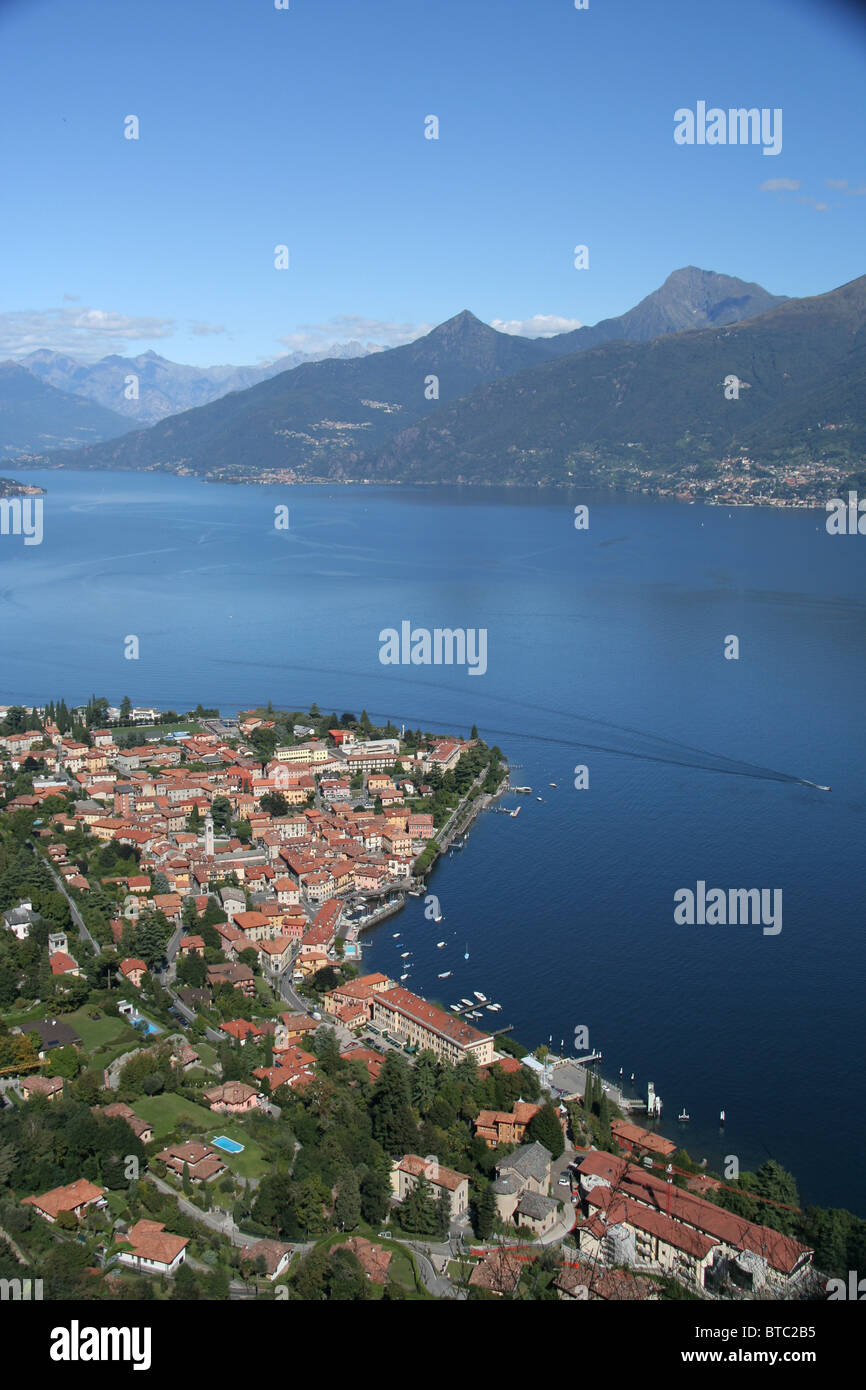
229,1146
145,1025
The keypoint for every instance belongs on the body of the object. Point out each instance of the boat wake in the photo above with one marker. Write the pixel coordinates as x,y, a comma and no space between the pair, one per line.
624,741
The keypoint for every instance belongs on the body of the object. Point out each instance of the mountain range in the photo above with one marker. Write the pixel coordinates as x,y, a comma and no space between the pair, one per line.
164,387
660,407
642,396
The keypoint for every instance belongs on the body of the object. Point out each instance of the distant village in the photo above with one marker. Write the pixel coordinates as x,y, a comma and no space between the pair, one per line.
245,1111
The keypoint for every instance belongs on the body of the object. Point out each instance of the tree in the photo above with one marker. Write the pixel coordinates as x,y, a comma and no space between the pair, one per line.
347,1209
419,1210
484,1214
375,1196
264,741
544,1128
274,803
393,1125
64,1062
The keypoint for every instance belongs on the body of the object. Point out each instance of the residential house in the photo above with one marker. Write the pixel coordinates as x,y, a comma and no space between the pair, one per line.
76,1197
133,970
154,1250
201,1160
49,1086
504,1126
406,1172
232,1098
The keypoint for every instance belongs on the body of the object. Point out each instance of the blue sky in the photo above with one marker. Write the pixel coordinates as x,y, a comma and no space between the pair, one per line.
306,127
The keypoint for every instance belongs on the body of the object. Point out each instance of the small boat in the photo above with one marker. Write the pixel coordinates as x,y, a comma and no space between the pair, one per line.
722,1118
438,917
494,1008
551,784
404,954
405,977
445,975
514,814
538,798
482,998
683,1116
395,935
455,1008
467,1002
476,1014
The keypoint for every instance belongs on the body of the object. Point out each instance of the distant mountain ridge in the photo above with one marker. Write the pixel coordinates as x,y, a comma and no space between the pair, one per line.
164,387
336,419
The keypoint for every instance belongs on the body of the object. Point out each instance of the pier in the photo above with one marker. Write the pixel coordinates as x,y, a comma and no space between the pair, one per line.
567,1076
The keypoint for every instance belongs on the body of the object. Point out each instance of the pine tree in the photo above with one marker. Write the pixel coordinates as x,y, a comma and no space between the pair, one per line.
544,1128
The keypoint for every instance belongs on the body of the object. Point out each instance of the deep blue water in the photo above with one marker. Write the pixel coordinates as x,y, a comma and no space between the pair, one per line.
568,910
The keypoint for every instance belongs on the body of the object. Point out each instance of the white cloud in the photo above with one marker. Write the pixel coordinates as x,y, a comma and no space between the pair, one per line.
538,326
814,203
345,328
780,185
836,183
86,333
205,330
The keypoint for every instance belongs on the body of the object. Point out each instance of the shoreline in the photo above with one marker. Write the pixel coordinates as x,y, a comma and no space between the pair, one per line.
776,503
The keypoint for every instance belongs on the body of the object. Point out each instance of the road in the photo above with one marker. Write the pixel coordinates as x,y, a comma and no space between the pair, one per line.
76,915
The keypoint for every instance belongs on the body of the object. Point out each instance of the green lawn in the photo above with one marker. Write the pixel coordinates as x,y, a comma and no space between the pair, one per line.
165,1112
249,1164
99,1033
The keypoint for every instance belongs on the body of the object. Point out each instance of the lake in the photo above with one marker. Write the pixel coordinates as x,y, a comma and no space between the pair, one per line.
605,648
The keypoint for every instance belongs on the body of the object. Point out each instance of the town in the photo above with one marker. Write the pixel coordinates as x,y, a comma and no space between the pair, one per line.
206,1096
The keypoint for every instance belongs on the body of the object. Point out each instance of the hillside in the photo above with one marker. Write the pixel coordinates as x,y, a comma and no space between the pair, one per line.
36,417
660,407
321,418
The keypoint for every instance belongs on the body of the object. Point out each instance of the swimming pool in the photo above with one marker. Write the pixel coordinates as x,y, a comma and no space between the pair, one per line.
228,1146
